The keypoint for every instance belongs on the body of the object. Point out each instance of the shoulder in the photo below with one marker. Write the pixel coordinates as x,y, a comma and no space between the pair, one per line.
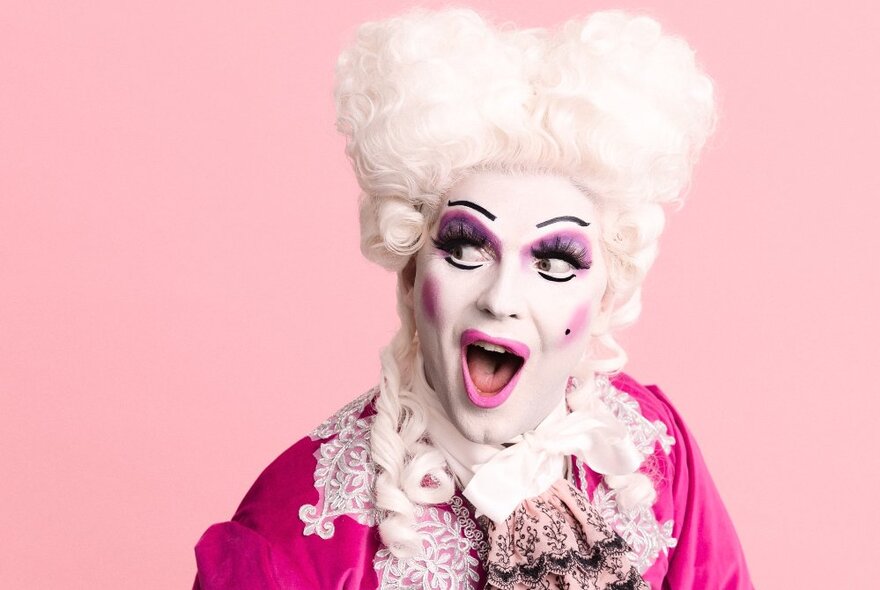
309,521
700,548
295,493
292,511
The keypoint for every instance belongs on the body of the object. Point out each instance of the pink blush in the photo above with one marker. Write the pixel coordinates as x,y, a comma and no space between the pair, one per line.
578,322
429,298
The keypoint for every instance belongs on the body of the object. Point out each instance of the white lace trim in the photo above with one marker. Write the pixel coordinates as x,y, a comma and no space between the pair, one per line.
643,432
639,527
345,417
345,478
470,528
446,563
345,474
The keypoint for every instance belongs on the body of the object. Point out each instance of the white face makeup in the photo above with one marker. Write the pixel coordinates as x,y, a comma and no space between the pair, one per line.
506,296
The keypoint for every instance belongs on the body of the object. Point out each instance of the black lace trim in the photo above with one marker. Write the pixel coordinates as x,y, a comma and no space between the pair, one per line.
567,562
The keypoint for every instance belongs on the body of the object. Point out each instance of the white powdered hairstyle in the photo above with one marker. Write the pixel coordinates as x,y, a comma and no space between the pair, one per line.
609,102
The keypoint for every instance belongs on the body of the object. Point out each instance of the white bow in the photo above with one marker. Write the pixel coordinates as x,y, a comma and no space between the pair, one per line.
529,467
497,479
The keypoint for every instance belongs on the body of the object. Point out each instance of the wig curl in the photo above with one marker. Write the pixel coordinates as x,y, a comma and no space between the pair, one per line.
609,102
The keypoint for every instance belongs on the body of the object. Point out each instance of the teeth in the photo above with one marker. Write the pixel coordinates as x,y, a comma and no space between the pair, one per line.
490,347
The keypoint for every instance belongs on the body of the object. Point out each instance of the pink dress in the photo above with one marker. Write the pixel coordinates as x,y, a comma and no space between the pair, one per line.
309,520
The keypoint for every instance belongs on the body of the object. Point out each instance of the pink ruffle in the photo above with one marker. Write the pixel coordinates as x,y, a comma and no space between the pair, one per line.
558,541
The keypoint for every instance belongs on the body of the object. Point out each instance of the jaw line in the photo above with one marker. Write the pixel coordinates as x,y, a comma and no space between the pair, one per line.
470,336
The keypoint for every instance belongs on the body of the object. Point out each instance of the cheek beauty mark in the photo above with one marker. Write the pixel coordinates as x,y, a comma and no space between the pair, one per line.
577,323
429,299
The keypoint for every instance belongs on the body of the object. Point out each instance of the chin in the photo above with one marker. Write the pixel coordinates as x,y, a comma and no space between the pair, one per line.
489,427
485,435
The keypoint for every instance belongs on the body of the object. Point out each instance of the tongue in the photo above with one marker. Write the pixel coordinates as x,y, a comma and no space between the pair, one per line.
490,371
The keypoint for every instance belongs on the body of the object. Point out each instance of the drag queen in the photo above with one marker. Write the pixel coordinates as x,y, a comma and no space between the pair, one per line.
515,182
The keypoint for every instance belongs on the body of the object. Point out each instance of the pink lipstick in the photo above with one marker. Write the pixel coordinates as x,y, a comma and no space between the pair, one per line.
490,367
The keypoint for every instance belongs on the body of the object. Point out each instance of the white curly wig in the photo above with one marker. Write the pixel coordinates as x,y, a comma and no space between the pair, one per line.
609,102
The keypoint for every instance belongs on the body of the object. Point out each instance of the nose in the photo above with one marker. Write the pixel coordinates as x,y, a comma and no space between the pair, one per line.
502,297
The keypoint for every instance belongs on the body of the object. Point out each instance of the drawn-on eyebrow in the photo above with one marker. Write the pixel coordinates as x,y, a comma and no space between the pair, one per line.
571,218
473,206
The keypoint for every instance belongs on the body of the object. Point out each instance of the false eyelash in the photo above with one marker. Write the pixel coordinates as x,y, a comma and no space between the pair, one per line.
565,249
459,233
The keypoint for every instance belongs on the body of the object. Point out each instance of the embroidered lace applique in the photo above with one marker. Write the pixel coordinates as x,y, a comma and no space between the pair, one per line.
345,417
471,530
447,562
643,432
345,479
345,474
639,528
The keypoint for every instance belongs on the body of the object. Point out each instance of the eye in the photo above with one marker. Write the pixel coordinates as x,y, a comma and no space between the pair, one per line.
558,257
463,245
465,256
555,269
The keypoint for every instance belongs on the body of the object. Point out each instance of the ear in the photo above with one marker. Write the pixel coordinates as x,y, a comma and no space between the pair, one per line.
600,323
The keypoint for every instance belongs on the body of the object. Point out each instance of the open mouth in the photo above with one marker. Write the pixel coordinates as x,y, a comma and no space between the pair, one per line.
491,367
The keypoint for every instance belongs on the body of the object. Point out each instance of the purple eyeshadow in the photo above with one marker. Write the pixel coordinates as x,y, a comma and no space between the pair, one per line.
471,226
566,241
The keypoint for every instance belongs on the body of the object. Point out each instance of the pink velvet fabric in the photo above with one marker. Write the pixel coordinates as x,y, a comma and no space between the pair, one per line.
708,553
263,546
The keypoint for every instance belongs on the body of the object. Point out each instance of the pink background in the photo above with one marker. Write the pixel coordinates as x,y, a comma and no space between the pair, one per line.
182,297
